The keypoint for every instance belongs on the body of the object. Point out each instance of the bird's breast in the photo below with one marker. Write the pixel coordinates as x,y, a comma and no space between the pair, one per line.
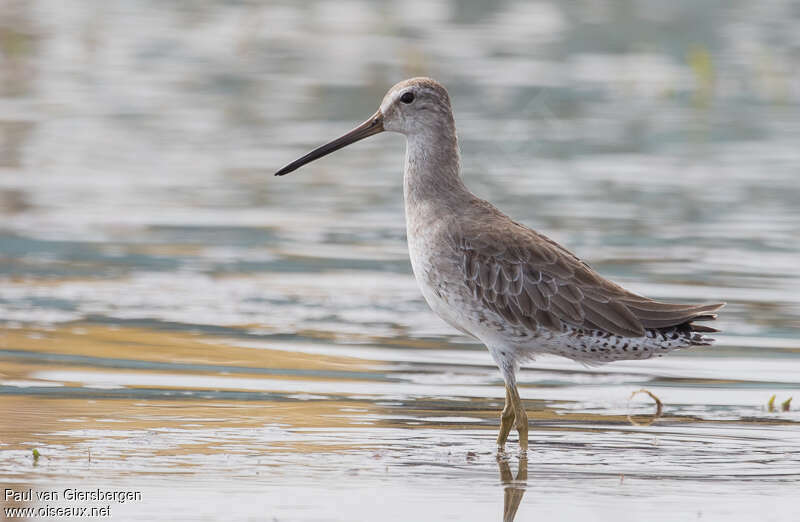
437,271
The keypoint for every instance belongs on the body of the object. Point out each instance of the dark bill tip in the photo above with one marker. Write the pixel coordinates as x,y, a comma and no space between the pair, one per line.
374,125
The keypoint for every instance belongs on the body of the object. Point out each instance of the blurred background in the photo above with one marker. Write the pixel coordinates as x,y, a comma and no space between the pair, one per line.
156,278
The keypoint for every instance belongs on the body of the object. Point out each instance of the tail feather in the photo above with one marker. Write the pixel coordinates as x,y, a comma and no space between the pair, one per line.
687,328
658,315
703,328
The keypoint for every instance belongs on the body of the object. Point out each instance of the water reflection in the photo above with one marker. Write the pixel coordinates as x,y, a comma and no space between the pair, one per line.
514,488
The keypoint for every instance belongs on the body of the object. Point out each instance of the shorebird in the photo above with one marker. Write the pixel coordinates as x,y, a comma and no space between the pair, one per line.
515,290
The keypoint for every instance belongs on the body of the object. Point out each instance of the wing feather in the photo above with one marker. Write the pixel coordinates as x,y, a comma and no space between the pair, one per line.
538,283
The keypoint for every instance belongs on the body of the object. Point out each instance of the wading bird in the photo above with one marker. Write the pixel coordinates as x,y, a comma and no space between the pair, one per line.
512,288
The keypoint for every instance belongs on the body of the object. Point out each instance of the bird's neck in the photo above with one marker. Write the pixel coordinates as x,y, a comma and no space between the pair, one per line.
433,170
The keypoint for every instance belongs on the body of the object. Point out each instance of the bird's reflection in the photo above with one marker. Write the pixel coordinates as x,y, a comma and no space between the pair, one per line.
514,487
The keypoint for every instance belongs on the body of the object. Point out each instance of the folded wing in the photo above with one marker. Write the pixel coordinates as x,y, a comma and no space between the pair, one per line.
538,283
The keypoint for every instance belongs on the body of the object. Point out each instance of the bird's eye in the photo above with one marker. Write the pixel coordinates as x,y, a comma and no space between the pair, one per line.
407,97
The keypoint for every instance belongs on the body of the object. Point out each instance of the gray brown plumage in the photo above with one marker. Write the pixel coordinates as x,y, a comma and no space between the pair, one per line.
530,280
517,291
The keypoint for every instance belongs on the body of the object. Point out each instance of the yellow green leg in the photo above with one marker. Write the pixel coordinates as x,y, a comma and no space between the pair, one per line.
506,421
520,417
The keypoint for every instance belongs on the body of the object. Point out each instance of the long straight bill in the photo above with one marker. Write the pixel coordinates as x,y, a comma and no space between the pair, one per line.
374,125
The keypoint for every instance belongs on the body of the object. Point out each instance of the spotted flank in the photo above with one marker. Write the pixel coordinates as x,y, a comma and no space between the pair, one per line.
597,347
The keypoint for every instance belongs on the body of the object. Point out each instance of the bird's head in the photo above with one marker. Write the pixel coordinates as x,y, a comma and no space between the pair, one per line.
416,106
413,107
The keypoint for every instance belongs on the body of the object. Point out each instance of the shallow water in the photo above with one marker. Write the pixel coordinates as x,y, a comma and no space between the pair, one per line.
177,322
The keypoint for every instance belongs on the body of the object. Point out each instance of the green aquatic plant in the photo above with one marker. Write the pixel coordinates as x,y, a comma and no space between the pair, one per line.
785,405
701,64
